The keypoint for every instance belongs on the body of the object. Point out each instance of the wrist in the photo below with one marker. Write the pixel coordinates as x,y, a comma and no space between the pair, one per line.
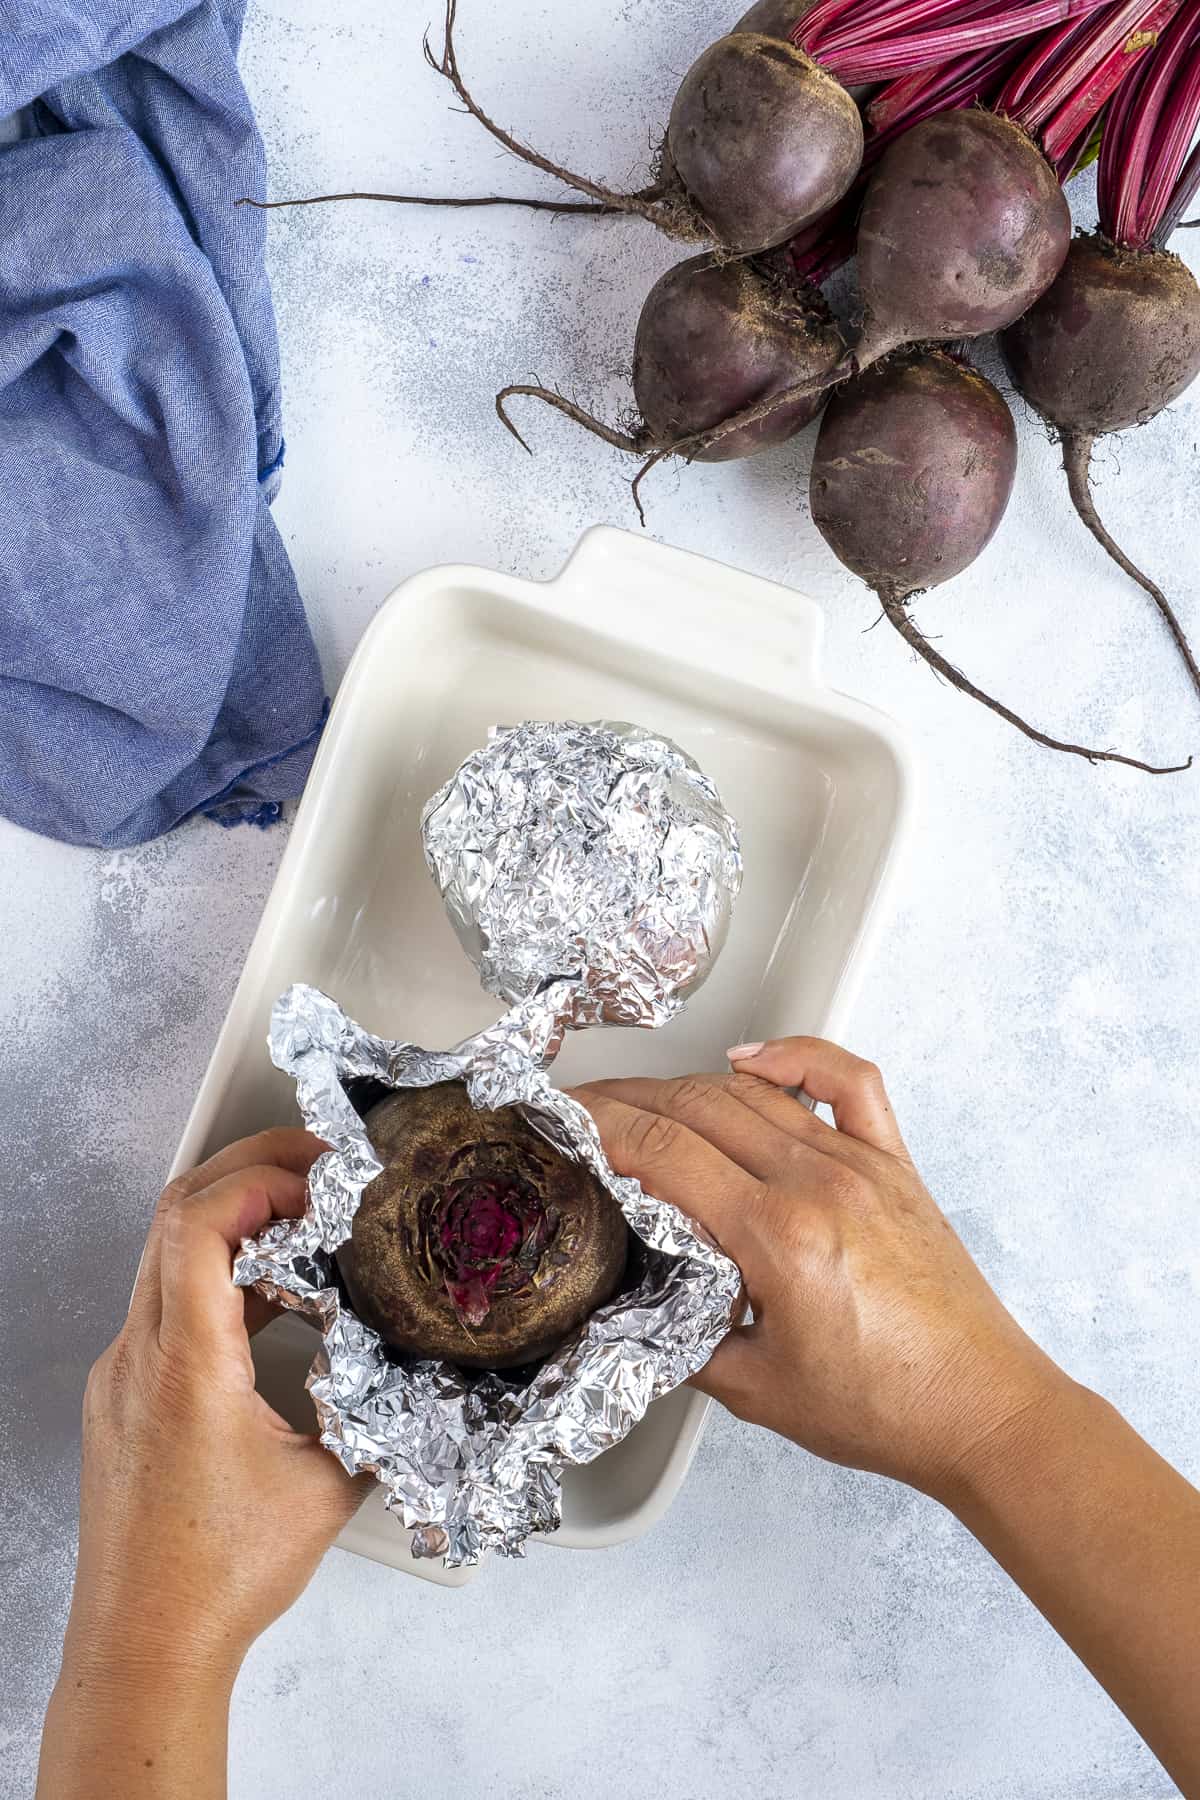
1033,1425
1015,1431
109,1654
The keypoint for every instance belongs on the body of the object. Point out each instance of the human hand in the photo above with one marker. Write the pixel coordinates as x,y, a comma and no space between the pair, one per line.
203,1515
876,1341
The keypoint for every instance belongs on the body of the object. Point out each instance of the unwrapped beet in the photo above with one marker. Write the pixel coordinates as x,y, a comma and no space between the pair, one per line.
963,225
715,337
479,1243
1111,343
730,358
761,140
912,471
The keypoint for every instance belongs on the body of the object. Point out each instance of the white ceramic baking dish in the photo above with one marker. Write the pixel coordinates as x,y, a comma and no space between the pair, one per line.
724,663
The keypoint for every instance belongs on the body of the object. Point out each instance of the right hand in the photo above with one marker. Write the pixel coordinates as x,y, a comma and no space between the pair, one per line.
876,1342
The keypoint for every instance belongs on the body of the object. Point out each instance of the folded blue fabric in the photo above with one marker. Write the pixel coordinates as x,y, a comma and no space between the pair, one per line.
155,660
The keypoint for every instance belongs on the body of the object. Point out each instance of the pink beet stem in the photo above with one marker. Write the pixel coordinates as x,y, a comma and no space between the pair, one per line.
1120,120
913,97
1182,195
883,55
818,19
1067,104
1047,54
1180,117
881,19
1150,125
874,24
1141,123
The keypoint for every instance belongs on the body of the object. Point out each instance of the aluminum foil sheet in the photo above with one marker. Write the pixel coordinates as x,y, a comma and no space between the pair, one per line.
598,852
551,824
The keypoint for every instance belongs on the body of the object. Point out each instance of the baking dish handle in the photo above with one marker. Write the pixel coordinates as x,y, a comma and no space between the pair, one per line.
709,614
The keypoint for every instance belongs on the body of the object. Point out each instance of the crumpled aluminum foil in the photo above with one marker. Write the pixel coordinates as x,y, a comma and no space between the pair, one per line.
595,851
473,1462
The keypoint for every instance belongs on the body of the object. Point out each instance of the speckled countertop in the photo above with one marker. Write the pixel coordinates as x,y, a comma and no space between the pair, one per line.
791,1630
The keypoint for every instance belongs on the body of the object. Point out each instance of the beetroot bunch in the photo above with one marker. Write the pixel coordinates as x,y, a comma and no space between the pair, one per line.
929,141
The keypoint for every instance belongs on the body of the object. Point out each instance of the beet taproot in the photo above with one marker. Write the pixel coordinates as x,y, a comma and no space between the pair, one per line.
912,472
1112,342
479,1243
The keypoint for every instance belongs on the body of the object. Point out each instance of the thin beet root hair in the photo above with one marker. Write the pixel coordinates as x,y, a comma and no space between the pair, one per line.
648,202
896,611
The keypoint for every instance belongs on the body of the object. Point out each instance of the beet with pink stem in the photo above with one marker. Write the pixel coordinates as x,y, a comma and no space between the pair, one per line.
964,223
969,81
911,475
1117,337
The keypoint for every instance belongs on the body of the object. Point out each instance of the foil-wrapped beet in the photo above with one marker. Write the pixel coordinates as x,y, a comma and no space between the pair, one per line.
479,1242
597,854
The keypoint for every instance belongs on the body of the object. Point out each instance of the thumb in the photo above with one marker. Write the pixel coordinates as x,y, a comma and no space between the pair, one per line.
324,1493
733,1373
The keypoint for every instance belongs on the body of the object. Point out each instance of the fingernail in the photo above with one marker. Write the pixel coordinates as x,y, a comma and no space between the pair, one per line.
743,1052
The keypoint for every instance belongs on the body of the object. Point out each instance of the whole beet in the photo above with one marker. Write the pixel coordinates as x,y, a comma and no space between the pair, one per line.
730,358
912,471
963,225
1112,342
713,338
761,140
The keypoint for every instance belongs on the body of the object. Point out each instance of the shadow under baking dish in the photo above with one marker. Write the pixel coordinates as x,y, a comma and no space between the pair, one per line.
723,663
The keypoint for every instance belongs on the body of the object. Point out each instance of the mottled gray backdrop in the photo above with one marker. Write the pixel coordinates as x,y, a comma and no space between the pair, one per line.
791,1631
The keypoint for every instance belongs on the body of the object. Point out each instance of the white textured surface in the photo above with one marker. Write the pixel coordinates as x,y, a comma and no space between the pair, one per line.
791,1629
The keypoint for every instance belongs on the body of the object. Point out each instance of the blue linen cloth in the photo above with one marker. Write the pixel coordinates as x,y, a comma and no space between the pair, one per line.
155,660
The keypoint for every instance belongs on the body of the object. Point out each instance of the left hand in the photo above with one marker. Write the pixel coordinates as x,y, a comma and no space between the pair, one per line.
203,1515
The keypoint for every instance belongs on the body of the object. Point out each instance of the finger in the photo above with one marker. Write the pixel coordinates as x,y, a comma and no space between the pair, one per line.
770,1140
200,1305
676,1165
286,1147
852,1087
